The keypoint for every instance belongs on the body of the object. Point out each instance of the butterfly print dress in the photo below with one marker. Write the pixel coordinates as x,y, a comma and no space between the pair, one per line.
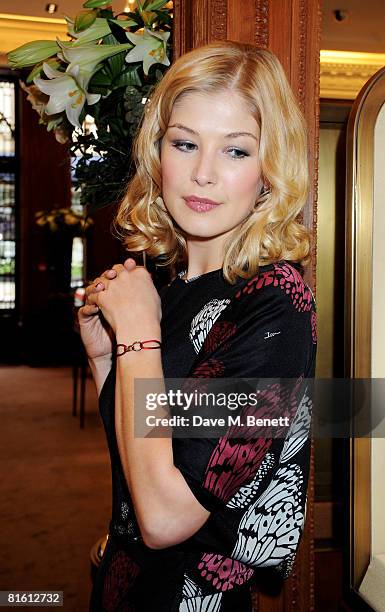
253,487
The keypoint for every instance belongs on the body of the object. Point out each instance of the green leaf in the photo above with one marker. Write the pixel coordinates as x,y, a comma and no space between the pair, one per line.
96,3
106,13
98,29
128,78
100,79
116,63
84,20
134,17
110,40
124,23
38,69
31,53
163,18
155,5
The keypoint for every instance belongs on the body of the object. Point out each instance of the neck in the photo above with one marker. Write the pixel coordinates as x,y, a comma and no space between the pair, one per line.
204,256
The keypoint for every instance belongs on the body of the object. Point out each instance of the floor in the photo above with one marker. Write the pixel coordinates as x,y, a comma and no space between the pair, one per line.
56,485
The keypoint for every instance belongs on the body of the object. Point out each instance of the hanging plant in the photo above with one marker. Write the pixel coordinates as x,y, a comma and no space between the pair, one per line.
104,73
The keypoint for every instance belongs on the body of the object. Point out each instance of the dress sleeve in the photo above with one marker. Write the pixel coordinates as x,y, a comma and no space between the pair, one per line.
255,488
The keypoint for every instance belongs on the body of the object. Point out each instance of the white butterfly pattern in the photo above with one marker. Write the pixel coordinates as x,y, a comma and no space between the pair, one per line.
204,320
269,531
245,495
299,430
194,601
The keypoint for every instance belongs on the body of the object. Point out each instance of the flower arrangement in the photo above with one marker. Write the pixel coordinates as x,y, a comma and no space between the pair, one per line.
64,218
103,73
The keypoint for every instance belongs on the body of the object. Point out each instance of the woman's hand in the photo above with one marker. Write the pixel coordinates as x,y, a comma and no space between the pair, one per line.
95,332
127,301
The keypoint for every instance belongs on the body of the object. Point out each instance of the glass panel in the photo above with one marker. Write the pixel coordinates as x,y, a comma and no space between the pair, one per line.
77,262
7,119
7,241
7,196
79,244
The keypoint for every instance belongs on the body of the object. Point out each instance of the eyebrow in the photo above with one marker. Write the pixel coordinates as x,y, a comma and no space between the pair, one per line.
231,135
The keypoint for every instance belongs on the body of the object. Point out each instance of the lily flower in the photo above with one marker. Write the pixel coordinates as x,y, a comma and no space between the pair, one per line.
150,48
95,32
32,53
67,92
88,57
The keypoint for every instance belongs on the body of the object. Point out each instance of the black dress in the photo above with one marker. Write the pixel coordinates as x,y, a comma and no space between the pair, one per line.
254,488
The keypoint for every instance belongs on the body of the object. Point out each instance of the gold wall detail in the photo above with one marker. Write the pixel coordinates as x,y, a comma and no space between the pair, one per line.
344,73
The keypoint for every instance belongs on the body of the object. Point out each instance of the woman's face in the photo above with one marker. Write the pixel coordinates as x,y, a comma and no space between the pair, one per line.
210,152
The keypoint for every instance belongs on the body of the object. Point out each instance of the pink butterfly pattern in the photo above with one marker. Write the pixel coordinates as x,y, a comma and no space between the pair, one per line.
288,279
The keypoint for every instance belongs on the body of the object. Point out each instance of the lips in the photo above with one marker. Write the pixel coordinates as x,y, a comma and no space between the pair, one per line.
200,204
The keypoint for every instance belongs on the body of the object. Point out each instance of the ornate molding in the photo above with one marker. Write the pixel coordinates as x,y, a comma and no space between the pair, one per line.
218,20
302,36
344,73
312,280
261,29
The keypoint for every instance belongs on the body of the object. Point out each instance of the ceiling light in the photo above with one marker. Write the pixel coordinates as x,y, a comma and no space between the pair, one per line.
51,8
341,14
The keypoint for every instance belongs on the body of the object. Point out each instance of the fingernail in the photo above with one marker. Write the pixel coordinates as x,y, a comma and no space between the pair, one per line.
98,285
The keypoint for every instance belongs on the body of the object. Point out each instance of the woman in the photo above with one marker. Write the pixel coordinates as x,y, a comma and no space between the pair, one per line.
221,177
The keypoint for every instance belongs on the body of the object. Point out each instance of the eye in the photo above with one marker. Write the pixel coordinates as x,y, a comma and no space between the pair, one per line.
237,153
183,145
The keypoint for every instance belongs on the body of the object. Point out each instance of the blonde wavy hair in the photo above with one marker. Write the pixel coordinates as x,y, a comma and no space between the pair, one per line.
270,232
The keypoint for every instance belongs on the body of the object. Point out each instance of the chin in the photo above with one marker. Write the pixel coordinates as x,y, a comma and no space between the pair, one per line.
205,233
198,232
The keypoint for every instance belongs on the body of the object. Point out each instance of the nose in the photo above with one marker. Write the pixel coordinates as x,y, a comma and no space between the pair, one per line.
204,169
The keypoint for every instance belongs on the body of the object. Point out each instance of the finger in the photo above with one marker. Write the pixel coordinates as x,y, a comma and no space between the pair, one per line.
93,299
130,264
110,273
94,288
88,310
100,283
118,268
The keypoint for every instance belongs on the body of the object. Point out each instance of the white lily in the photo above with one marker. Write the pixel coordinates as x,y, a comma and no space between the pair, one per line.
88,57
150,48
97,30
67,92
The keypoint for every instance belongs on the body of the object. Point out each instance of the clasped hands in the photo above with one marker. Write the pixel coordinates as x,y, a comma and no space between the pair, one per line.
126,297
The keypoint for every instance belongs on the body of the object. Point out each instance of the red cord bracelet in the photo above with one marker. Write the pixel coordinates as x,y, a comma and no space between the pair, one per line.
138,345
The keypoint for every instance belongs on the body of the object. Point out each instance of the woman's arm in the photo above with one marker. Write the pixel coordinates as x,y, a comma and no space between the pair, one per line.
166,509
100,368
95,332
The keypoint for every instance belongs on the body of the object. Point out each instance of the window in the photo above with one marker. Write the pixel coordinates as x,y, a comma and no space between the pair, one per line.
8,172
